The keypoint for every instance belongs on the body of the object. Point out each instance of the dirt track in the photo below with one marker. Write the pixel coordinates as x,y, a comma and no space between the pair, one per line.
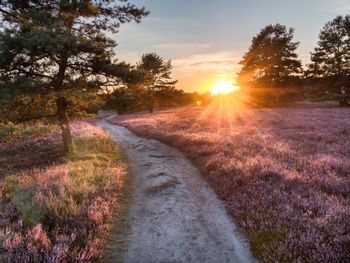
175,216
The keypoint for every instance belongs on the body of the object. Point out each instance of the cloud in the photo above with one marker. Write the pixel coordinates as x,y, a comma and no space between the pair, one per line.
166,50
190,58
217,62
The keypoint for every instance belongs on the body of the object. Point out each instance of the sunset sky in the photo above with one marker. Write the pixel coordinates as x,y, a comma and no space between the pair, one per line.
205,39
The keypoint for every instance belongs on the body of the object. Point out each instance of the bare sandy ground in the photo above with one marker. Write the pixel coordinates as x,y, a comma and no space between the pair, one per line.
174,215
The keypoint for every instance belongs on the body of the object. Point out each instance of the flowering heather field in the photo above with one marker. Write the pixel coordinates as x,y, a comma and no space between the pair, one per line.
55,208
283,173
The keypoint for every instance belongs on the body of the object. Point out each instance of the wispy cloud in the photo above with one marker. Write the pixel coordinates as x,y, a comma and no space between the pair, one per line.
219,62
171,51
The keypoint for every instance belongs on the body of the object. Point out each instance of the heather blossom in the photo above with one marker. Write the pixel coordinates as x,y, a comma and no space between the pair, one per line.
55,208
283,173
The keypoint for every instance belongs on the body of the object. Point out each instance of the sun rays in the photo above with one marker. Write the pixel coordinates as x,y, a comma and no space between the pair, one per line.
223,87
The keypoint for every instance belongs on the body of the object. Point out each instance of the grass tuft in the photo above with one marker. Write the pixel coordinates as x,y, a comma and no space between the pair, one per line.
62,207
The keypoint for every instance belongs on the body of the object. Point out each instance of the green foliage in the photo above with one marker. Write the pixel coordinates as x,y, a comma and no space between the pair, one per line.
157,83
11,184
72,196
88,172
271,59
151,86
54,52
53,49
11,131
33,212
23,199
126,99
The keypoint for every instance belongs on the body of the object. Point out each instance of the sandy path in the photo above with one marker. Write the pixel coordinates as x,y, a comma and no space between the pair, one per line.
175,216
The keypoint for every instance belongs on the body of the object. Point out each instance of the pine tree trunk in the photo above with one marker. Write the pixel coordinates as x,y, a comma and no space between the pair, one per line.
62,106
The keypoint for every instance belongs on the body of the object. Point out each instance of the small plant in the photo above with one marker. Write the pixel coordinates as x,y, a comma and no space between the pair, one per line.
11,131
62,209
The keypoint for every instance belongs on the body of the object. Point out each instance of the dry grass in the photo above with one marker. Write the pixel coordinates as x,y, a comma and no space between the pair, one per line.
284,173
55,208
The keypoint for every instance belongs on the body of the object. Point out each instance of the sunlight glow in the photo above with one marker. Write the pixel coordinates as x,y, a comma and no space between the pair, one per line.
223,87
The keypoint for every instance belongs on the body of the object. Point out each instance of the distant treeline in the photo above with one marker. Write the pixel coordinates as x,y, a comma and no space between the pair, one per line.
274,74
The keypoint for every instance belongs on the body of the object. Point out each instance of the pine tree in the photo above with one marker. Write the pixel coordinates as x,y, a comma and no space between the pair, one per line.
331,59
58,50
157,81
271,59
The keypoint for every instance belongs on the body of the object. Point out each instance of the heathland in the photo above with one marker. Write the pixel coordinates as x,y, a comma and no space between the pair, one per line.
283,173
56,207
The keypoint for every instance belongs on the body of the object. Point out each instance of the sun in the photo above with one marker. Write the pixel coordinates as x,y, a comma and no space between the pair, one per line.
223,87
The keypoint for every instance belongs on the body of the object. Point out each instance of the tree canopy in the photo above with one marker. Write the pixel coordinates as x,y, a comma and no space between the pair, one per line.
157,81
271,59
330,61
331,57
58,50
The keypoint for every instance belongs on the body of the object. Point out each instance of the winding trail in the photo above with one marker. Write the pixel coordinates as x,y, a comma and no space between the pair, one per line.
175,216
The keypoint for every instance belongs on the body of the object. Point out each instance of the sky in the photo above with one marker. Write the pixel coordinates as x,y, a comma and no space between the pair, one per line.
205,39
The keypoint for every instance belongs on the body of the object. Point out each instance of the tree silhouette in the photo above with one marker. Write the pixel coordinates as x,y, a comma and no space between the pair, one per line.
271,59
60,50
331,59
157,80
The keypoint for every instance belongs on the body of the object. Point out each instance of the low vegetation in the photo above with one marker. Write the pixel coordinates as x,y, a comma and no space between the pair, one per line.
284,173
11,132
56,208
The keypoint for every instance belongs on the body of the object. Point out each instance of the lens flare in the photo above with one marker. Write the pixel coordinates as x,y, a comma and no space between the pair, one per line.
223,87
